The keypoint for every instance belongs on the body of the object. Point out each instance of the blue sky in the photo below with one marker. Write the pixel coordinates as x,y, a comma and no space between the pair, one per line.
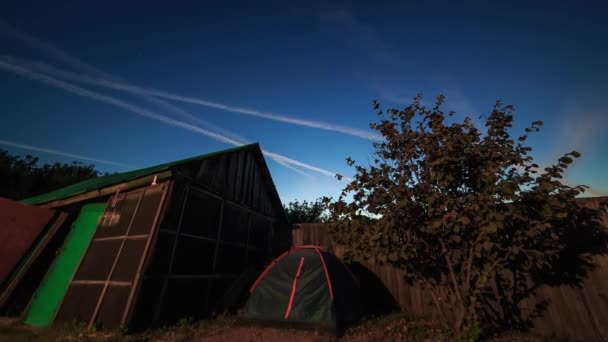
307,65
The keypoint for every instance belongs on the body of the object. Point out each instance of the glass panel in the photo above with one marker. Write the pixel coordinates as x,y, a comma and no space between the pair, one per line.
162,254
129,260
235,223
146,212
230,259
98,261
115,221
184,298
201,215
258,237
112,307
193,256
177,199
79,303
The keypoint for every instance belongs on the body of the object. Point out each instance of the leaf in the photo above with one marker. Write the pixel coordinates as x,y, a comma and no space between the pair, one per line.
464,220
492,227
487,245
393,256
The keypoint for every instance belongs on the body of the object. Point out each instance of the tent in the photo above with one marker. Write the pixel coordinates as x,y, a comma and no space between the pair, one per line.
305,286
152,246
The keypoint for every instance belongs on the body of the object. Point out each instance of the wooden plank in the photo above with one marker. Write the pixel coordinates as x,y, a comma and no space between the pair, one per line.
102,282
247,247
595,297
577,316
215,252
122,237
202,276
219,232
108,191
574,313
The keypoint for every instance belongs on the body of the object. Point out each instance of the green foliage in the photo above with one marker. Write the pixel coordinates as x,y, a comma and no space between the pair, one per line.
472,333
458,209
22,177
306,212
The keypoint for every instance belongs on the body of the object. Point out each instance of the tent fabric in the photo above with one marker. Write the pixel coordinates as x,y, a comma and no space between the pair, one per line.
117,178
304,285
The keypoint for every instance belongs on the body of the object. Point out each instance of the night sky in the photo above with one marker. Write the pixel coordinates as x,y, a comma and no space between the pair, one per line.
131,84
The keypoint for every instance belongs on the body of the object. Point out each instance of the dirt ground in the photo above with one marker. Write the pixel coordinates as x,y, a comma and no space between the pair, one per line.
392,328
251,334
387,329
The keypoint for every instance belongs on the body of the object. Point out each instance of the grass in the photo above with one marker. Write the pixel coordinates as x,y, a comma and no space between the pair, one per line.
184,330
397,326
393,327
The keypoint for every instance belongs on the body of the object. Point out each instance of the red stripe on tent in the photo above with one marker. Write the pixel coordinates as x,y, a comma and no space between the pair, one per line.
331,291
293,288
275,261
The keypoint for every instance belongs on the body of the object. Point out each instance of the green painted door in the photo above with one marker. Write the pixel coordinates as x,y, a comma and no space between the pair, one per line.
51,291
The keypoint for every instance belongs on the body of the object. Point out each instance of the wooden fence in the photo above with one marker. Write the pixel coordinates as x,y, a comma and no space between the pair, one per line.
574,314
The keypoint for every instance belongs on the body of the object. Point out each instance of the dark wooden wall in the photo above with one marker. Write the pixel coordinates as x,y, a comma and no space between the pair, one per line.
222,224
575,313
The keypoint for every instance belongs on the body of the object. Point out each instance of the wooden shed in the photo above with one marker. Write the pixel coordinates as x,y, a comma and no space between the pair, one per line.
161,243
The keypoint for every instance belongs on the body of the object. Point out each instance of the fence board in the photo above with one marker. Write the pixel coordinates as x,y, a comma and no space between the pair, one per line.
577,314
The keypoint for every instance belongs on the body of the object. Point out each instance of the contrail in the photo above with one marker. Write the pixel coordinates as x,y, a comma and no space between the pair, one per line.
61,153
202,102
276,156
74,62
236,141
149,114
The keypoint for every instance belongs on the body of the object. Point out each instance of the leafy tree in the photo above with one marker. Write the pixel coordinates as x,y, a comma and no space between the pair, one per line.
22,177
466,214
306,212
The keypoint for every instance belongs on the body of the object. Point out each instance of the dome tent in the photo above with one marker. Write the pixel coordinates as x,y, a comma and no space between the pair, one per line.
307,287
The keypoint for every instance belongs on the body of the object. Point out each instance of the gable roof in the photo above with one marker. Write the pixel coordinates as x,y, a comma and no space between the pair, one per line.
117,178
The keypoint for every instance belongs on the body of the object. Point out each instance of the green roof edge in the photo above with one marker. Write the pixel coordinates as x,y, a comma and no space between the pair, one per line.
112,179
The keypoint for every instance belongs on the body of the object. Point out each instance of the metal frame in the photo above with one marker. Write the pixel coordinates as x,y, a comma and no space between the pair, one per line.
122,244
196,276
123,237
141,194
122,187
222,242
247,247
153,233
177,233
102,282
203,190
78,266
